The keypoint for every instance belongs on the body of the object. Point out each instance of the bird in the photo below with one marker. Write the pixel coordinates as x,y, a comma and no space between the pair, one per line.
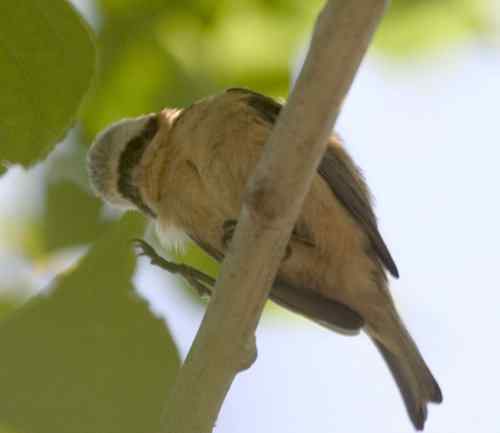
186,169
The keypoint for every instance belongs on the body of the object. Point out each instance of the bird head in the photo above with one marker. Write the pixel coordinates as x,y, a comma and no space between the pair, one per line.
114,161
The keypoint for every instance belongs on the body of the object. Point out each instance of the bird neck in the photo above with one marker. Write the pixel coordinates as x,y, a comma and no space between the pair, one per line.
156,159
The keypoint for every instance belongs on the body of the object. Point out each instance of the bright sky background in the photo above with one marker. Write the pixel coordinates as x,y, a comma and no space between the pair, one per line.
426,135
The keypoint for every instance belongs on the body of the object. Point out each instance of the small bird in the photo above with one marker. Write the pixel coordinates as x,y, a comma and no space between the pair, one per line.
187,170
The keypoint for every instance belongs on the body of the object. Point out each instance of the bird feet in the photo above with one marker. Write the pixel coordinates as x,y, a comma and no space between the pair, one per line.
202,282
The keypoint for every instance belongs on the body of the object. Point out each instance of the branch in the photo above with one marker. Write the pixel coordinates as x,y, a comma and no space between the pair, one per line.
225,343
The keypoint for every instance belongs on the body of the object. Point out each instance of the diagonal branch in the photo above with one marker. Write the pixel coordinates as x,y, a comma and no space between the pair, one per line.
225,342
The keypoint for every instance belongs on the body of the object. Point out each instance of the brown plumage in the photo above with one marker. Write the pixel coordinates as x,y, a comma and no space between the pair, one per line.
188,169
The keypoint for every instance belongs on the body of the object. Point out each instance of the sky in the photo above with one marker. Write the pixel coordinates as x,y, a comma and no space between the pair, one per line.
426,136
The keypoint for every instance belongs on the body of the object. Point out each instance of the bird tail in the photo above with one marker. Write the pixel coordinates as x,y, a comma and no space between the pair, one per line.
414,379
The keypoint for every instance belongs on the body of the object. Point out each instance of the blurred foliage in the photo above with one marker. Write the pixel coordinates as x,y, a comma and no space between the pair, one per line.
47,62
5,429
68,196
157,53
66,200
6,306
420,27
194,256
90,357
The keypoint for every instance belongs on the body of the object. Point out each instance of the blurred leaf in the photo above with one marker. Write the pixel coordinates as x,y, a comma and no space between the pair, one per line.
73,216
7,305
88,357
135,74
421,26
143,78
158,54
23,235
47,57
6,429
194,256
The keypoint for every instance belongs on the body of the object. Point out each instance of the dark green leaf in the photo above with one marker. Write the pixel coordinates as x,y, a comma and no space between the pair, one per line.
7,305
47,62
89,357
73,216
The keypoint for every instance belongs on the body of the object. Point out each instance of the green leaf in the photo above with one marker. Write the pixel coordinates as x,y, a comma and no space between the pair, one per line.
48,58
7,305
6,429
73,216
90,356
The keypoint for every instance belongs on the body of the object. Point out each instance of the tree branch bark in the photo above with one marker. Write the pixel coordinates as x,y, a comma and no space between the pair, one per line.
225,343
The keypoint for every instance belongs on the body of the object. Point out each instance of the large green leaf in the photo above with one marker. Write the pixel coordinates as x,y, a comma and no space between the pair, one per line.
88,357
47,59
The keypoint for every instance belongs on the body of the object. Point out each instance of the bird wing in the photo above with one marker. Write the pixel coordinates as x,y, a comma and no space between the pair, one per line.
338,175
345,181
303,301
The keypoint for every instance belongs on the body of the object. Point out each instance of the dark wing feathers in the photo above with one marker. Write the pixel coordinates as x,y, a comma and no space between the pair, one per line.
316,307
346,183
267,107
308,303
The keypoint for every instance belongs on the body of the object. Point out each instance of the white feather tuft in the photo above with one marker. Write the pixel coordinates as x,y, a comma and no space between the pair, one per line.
171,237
